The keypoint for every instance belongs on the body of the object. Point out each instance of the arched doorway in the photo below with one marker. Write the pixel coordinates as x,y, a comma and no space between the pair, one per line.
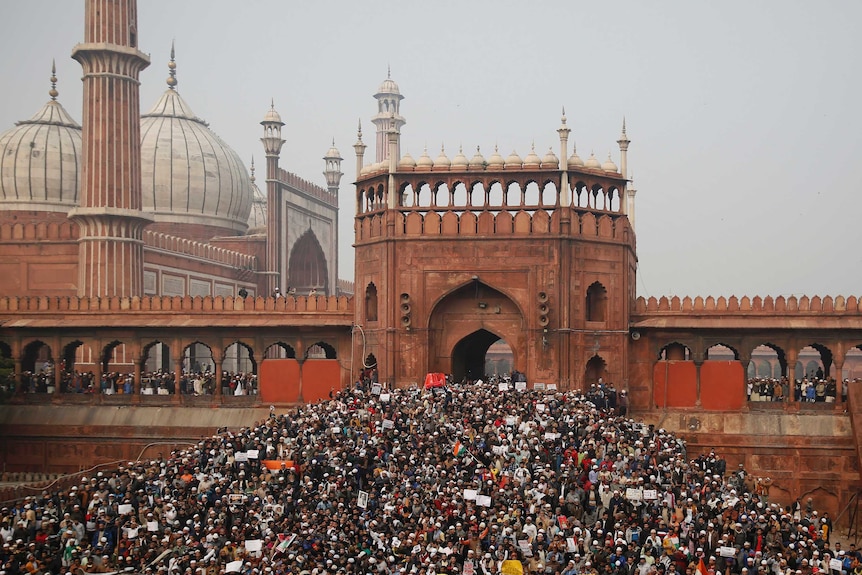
306,271
465,323
596,368
469,355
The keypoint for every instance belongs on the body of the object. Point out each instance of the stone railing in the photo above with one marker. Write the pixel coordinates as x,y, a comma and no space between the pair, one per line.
205,251
185,304
447,222
768,305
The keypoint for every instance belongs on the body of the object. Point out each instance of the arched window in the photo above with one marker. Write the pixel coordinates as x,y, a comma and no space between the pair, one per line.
597,302
371,302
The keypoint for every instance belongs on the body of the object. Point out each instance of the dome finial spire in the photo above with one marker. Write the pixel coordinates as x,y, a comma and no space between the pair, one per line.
172,69
388,71
53,91
252,170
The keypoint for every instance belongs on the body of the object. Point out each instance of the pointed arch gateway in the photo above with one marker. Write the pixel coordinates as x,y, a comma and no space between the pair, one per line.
466,322
307,270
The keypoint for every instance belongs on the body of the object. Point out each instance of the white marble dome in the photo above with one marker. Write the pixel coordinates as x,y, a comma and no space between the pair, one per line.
190,176
40,162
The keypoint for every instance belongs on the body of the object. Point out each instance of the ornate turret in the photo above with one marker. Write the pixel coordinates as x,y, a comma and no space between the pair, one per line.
388,117
333,171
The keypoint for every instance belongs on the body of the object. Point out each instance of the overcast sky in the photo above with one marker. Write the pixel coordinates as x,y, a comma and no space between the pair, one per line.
743,116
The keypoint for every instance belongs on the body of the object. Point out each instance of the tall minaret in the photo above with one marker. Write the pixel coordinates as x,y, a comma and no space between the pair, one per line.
624,148
333,175
276,224
359,148
564,131
388,113
110,244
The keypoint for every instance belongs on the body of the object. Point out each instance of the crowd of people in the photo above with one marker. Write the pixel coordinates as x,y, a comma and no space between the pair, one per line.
480,479
809,389
159,382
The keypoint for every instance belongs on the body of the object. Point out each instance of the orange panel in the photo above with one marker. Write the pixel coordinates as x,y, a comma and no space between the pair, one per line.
721,385
682,391
319,378
279,381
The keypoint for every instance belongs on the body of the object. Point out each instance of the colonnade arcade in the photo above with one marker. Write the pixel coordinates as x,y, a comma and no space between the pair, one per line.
142,356
760,356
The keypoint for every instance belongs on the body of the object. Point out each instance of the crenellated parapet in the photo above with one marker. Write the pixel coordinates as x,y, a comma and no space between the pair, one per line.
803,305
86,306
50,231
200,250
306,187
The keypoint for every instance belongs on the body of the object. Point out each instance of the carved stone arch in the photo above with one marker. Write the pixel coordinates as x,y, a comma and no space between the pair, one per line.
596,308
676,350
442,195
197,356
719,347
476,194
760,360
156,355
406,195
321,350
371,302
278,350
307,267
549,195
580,194
460,193
467,319
531,193
239,355
34,354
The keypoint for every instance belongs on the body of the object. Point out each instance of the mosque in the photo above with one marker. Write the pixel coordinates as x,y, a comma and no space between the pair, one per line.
132,243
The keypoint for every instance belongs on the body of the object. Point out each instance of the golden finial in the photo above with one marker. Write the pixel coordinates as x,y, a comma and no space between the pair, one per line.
53,91
172,70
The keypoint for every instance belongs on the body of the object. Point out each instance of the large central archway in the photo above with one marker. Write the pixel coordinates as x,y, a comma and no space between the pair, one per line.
468,356
468,321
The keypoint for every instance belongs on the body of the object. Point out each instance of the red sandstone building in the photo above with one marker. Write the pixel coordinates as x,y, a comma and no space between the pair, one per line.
124,267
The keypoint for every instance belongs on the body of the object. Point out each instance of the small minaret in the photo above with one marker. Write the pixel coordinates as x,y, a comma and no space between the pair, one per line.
564,132
630,200
624,148
359,148
276,224
333,171
388,98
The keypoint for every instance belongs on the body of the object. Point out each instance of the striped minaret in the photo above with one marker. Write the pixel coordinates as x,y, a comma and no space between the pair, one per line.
111,249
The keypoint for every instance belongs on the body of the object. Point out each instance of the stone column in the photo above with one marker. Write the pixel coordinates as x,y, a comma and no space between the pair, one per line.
19,374
137,383
299,398
791,357
836,372
218,360
178,374
745,361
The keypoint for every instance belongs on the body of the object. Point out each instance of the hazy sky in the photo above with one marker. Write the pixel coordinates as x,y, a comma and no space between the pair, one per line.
743,116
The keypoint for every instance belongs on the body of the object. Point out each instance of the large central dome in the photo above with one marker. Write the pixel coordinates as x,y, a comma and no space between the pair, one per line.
190,177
